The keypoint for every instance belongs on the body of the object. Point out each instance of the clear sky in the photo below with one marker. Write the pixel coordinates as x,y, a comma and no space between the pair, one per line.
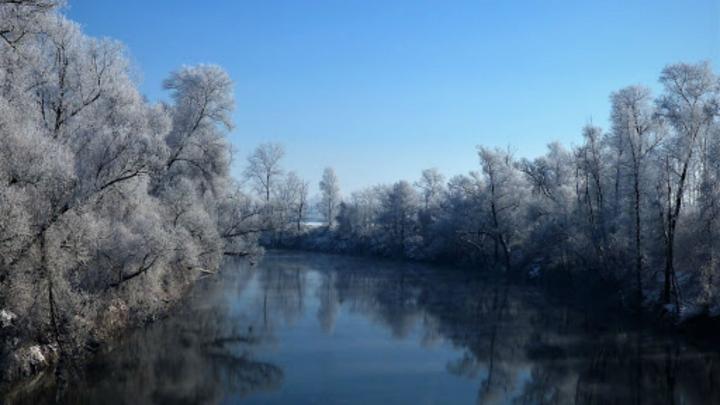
382,89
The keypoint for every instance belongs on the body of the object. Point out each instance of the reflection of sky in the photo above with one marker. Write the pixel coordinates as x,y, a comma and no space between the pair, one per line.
358,360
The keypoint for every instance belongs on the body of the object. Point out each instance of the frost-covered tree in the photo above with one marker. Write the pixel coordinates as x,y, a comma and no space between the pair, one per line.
202,103
550,206
294,195
329,196
290,205
263,168
398,217
357,217
240,223
504,187
431,186
593,180
634,124
689,104
110,206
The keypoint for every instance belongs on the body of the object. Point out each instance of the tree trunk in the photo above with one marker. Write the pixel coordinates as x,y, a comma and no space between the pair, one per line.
46,272
638,239
667,285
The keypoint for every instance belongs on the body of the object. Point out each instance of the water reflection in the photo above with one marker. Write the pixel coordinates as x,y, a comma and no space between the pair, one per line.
314,328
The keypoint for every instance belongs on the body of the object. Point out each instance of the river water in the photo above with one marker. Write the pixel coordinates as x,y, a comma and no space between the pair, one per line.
310,328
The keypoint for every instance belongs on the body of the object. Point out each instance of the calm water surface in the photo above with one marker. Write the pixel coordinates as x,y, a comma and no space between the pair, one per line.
309,328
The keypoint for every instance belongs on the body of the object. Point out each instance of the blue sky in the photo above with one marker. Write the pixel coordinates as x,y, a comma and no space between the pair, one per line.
382,89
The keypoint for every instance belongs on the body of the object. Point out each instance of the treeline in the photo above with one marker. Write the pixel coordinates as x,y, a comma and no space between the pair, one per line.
639,204
110,206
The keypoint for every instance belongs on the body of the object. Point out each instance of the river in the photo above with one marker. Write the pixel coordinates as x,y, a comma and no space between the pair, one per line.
310,328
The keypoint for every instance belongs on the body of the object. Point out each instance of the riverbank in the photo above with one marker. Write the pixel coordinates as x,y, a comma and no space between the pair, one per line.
615,286
25,363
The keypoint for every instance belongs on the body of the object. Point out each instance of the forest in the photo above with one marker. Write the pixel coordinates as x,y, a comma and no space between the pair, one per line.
112,206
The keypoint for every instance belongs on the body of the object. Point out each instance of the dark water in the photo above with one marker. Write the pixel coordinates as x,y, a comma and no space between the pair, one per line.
309,328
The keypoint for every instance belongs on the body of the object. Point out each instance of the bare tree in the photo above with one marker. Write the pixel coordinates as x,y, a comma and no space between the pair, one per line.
501,183
633,122
300,198
398,214
330,196
591,190
431,185
264,168
690,104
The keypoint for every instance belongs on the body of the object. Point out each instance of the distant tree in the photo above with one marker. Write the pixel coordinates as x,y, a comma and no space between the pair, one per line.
240,223
463,221
550,206
431,185
398,216
505,189
292,196
357,217
264,167
330,196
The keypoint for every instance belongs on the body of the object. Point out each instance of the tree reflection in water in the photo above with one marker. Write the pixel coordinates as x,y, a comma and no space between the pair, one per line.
509,343
516,345
199,355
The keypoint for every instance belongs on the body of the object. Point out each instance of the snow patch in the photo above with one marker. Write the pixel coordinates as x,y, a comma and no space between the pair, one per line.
7,318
